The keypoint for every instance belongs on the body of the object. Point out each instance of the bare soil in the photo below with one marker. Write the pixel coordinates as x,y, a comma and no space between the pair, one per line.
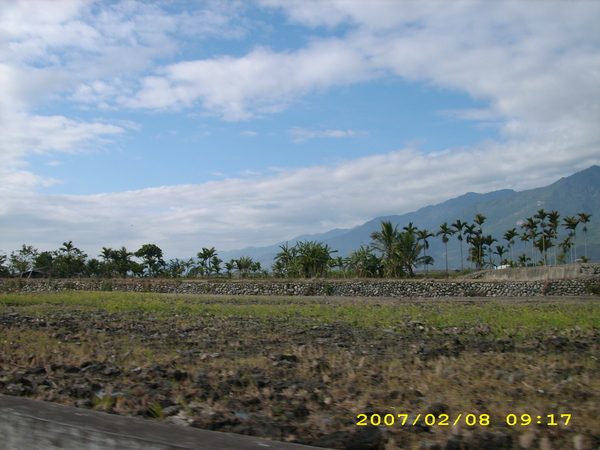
301,380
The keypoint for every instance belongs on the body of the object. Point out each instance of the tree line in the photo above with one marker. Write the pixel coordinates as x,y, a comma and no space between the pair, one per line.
392,253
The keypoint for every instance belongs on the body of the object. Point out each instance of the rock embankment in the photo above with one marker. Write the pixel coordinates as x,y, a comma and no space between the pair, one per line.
372,288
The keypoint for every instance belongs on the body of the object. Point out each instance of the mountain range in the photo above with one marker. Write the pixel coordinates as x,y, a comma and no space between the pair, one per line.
503,209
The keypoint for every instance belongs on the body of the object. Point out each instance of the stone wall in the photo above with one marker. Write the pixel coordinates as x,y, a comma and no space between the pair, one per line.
372,288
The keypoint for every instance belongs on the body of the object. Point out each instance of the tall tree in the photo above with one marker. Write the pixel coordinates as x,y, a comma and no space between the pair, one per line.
108,263
509,237
553,223
445,232
243,265
122,261
205,256
384,241
542,215
152,255
500,251
585,219
570,223
488,241
408,250
69,261
458,229
470,232
480,220
23,260
530,227
423,235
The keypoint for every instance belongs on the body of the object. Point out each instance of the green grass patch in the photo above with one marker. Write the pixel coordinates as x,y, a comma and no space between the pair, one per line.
518,318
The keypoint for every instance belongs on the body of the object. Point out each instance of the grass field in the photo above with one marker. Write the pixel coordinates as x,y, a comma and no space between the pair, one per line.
477,373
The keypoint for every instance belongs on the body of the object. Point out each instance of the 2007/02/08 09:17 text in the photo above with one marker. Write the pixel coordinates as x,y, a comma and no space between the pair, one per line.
468,419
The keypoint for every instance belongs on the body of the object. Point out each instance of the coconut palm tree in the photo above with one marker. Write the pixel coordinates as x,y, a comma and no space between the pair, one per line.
445,231
384,241
407,249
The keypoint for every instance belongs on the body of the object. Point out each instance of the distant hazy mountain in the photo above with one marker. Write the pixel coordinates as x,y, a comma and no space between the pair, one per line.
578,193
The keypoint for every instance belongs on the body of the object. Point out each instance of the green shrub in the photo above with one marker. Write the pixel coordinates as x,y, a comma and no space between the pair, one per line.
594,289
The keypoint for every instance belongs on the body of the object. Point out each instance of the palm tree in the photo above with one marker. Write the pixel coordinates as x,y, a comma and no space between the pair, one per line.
479,220
423,236
530,227
488,241
510,236
108,256
458,229
365,263
229,266
286,260
243,265
470,232
313,258
565,246
541,214
407,249
205,256
123,261
500,250
445,232
523,260
570,223
384,241
524,238
585,219
553,222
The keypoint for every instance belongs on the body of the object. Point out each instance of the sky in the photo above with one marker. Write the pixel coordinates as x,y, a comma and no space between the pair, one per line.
229,124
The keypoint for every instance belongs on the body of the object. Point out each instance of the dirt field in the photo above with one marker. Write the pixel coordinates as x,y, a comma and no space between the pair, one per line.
449,374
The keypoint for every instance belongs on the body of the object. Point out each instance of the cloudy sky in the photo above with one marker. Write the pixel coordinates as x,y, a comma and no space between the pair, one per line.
195,124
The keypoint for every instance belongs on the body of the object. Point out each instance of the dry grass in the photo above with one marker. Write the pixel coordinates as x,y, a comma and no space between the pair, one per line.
272,359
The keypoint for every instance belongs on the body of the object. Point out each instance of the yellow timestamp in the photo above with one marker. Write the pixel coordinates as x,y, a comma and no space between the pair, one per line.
467,419
419,419
528,419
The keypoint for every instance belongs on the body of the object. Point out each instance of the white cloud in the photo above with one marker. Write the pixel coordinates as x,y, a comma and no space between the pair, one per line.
302,134
261,81
25,134
264,209
535,66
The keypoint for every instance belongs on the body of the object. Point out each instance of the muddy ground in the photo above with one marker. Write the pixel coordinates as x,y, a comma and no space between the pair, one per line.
298,379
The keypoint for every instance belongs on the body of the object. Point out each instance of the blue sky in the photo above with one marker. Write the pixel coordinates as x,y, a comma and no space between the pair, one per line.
228,124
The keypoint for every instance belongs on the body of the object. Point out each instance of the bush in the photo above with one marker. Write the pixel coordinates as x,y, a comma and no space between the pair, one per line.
594,289
329,289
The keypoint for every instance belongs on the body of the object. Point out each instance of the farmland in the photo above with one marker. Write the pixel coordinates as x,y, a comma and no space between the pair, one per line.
470,372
